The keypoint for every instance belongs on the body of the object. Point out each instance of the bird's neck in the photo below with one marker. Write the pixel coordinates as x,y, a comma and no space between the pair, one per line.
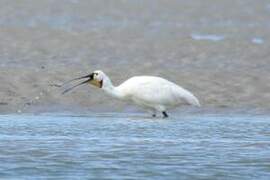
110,89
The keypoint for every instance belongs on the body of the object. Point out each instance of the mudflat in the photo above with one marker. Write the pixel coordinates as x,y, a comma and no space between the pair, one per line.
219,50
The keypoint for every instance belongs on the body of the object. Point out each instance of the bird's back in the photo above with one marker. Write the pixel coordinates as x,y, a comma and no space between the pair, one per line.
152,90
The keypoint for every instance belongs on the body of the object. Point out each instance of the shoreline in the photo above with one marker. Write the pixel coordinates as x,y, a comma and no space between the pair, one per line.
129,109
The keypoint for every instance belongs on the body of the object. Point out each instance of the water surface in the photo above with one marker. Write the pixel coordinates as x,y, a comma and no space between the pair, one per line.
133,146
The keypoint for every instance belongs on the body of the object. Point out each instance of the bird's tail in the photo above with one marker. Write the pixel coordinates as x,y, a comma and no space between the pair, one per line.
193,100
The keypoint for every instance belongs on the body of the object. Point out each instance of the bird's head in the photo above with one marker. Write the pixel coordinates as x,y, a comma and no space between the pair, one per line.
96,78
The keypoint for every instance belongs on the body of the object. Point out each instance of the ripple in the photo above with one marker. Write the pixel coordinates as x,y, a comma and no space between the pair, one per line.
122,147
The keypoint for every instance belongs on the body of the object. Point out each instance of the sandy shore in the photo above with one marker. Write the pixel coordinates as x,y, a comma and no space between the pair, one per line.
219,52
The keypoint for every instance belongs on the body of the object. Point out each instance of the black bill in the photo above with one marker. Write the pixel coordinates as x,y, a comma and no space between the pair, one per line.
90,76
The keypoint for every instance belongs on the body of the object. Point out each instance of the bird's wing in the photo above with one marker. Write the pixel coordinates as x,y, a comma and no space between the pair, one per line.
155,90
151,90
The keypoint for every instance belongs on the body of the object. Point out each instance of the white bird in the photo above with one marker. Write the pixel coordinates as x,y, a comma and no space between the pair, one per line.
154,94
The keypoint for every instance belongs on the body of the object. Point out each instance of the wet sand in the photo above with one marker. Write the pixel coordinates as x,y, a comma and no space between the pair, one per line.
218,50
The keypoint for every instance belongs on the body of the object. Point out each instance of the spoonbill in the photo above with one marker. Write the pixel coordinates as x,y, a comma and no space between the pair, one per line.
154,94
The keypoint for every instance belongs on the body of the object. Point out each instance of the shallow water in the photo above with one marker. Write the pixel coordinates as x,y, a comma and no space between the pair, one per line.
132,146
209,37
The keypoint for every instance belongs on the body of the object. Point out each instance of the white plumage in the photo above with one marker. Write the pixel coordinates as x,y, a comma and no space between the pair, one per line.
154,94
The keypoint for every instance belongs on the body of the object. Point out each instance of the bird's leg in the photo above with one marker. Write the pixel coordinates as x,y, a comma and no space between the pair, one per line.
165,115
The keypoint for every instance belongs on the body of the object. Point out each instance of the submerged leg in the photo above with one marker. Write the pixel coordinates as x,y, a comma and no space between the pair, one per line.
165,115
